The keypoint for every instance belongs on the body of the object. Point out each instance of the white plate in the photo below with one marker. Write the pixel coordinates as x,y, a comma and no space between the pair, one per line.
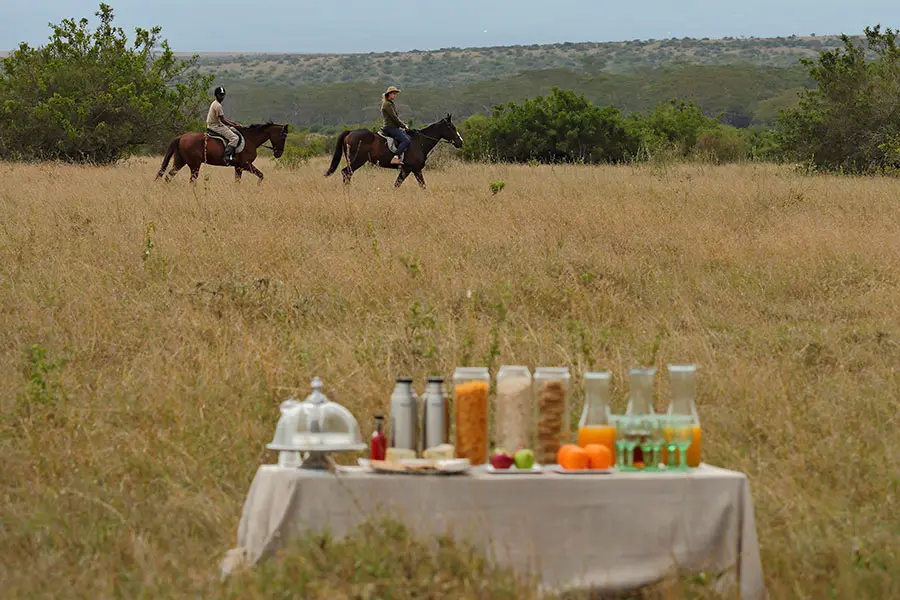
562,471
455,465
441,467
534,470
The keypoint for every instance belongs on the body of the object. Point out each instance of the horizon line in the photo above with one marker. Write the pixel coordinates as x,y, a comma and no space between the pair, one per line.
461,48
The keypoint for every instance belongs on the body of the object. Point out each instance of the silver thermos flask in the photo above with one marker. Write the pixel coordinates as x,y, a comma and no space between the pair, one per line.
435,416
404,416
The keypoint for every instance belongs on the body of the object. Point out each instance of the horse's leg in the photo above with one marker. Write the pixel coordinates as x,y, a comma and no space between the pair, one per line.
237,174
419,178
357,164
401,177
252,168
177,164
195,173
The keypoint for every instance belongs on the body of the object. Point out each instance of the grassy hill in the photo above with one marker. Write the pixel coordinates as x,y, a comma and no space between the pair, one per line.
747,79
746,93
459,66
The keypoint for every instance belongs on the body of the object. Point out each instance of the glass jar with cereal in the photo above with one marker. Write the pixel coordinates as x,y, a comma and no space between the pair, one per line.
551,392
470,405
515,408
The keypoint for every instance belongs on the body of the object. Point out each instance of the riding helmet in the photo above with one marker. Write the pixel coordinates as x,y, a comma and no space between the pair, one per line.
220,91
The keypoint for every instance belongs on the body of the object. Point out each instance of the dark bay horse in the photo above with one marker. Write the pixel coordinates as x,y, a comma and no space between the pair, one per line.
195,148
362,146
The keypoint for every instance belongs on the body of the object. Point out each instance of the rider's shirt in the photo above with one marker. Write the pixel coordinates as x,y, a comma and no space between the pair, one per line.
216,113
389,113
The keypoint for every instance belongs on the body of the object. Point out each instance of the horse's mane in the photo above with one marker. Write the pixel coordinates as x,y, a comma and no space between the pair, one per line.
259,126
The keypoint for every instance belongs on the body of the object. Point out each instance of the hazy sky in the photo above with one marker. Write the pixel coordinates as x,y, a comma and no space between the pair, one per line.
376,25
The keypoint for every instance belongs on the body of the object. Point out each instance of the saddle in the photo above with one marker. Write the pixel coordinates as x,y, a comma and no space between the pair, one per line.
215,136
391,142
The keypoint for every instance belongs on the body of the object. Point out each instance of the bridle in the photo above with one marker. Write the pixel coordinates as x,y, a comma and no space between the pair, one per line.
434,139
272,147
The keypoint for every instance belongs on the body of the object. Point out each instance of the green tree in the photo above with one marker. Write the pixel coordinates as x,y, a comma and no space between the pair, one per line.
561,127
851,122
91,96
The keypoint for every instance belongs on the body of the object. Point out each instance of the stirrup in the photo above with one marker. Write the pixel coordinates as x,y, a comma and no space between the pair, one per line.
397,160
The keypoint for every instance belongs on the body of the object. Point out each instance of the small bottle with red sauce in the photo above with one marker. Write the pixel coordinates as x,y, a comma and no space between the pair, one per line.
378,447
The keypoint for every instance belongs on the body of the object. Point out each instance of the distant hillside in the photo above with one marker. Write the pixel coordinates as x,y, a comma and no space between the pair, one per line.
460,66
747,94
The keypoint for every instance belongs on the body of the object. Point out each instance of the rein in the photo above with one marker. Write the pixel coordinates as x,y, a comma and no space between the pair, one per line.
438,140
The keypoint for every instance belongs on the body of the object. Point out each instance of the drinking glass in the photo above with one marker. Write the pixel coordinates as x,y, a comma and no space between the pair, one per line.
620,423
682,435
632,439
656,443
668,440
646,429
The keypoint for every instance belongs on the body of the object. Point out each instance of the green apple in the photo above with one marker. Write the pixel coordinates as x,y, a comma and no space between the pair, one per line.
524,459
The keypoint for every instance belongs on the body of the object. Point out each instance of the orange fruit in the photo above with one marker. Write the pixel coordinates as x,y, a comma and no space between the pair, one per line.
561,453
576,459
599,455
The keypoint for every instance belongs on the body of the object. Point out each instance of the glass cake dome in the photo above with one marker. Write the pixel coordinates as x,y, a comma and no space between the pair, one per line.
316,425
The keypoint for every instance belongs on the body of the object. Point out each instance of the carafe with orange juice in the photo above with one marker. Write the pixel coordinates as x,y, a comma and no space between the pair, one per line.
640,400
596,425
682,388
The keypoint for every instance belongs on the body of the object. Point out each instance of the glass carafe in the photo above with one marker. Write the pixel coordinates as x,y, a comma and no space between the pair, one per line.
596,425
682,390
640,403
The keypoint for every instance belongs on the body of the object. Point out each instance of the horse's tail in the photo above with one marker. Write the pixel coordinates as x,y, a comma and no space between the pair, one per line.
173,148
338,152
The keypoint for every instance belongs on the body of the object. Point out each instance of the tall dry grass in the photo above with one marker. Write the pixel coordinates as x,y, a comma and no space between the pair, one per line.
148,334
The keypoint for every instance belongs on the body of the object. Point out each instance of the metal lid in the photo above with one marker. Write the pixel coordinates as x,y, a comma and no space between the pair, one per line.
404,380
435,380
317,397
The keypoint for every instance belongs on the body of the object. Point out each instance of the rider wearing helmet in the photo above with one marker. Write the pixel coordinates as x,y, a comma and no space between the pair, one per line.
393,126
217,123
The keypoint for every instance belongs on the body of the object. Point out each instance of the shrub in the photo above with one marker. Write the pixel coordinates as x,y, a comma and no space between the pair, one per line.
91,96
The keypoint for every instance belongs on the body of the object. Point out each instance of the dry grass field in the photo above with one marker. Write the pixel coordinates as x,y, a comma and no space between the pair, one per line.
148,334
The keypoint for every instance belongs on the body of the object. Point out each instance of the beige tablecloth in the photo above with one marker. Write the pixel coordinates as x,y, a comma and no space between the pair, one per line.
608,532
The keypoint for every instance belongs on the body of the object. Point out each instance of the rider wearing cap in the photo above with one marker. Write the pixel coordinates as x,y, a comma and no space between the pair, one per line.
217,123
393,126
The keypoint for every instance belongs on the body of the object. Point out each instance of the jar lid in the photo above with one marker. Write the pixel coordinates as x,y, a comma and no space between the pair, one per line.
681,368
598,375
435,380
404,380
513,369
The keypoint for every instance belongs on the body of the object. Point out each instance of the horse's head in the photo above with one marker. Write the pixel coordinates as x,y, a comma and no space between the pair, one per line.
278,136
448,131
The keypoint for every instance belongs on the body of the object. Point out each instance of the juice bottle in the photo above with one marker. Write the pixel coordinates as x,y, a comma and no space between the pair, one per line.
378,446
595,426
682,387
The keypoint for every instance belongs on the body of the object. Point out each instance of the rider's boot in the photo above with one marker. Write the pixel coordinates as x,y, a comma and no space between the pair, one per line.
397,159
228,157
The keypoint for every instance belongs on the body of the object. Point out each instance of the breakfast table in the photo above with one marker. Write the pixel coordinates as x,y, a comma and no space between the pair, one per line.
606,532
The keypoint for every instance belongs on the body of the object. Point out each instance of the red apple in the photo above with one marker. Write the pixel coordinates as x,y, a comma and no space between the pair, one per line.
502,460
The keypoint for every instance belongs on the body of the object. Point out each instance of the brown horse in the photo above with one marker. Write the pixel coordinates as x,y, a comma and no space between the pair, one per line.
362,146
194,148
